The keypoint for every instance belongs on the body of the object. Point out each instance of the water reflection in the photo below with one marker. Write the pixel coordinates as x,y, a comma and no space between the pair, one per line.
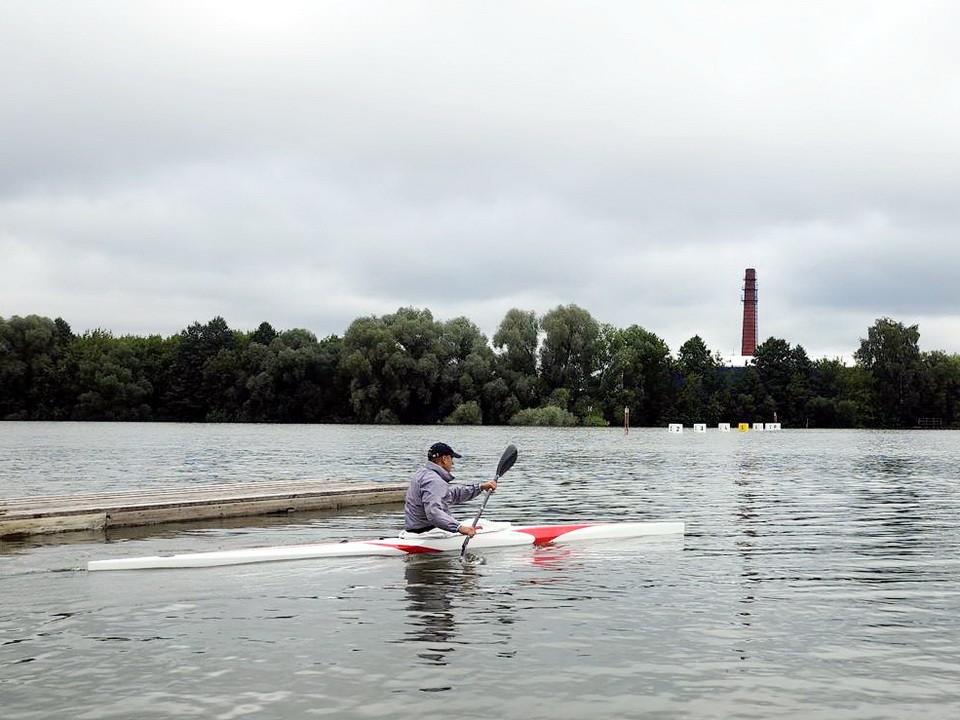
444,596
432,585
880,466
747,519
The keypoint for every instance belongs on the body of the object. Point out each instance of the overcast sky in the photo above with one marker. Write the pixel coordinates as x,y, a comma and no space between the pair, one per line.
308,163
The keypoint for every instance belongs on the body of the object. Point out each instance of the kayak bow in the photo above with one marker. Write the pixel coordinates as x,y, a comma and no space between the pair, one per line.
489,535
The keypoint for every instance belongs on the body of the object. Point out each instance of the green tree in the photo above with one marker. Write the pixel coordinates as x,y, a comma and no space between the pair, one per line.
695,358
517,383
891,355
466,364
747,400
517,337
785,373
500,401
570,354
940,387
309,383
263,335
258,362
203,372
295,371
635,374
368,346
113,378
395,366
329,400
697,382
467,413
32,349
834,401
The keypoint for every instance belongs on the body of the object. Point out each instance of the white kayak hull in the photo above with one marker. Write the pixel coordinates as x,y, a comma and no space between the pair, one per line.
489,535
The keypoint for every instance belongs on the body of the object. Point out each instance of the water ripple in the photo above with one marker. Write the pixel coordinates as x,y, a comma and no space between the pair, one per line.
818,578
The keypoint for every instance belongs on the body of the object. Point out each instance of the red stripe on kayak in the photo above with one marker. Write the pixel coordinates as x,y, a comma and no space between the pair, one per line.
412,549
547,533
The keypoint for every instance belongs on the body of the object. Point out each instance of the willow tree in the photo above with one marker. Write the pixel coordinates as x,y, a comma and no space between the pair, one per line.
570,355
466,367
409,368
516,384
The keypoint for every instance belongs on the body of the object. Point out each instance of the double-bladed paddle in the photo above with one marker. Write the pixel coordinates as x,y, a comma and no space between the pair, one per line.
507,460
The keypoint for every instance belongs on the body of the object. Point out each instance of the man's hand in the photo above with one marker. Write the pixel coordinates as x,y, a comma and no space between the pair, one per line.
490,485
467,530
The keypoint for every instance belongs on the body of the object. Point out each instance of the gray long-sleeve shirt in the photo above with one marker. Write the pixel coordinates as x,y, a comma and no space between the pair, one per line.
430,496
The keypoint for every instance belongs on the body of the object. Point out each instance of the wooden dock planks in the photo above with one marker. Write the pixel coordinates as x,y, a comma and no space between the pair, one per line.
62,513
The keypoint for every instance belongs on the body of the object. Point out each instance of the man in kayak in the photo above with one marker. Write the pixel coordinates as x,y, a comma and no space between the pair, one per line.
430,495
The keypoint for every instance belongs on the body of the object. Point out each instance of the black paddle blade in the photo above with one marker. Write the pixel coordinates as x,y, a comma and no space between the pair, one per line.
507,460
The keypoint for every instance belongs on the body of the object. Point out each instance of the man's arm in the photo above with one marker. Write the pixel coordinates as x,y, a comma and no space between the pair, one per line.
462,493
434,492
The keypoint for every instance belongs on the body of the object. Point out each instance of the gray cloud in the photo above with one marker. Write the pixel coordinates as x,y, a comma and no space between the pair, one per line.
308,163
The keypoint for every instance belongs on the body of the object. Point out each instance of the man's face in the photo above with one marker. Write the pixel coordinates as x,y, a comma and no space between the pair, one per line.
446,462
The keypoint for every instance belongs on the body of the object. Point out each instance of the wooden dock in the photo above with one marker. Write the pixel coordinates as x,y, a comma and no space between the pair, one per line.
38,515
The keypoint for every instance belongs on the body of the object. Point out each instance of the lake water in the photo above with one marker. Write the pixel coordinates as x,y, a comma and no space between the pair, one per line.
819,578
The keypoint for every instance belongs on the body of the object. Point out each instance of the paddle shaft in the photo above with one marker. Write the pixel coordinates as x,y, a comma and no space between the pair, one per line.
476,519
507,460
486,497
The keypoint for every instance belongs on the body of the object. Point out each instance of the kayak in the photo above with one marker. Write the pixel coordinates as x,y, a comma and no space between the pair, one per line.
489,535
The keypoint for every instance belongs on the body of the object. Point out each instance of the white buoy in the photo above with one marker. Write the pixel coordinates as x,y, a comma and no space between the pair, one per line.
699,427
758,427
723,427
675,427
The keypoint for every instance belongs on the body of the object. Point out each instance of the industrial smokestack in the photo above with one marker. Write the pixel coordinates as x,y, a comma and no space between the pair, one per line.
748,343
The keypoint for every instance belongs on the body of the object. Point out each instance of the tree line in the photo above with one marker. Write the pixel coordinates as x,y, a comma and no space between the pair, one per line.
561,368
